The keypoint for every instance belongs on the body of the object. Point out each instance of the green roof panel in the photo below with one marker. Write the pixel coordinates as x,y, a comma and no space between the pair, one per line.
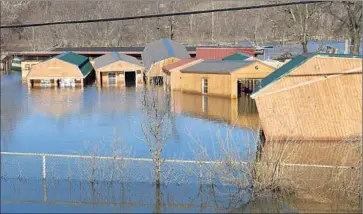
72,58
237,56
86,69
80,61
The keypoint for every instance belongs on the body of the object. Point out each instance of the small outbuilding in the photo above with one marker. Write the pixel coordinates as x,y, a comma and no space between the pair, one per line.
223,78
172,73
160,53
117,69
65,70
312,97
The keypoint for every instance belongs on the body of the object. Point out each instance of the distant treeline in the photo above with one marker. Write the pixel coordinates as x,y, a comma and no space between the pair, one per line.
289,23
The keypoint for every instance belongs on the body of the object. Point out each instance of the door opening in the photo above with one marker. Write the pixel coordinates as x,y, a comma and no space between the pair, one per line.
130,79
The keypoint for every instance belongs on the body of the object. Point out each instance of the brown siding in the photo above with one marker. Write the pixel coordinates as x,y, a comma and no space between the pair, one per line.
25,68
119,68
218,84
157,68
324,110
53,69
222,84
173,77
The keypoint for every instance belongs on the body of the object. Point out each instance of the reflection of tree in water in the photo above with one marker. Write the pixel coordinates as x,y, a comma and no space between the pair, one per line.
12,109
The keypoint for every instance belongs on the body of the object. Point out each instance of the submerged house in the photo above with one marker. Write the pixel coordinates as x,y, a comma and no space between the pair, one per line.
172,73
65,70
223,78
312,97
117,69
160,53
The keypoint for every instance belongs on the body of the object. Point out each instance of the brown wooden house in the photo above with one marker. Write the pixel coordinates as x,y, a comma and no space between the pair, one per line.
223,77
172,73
312,97
65,70
117,69
161,53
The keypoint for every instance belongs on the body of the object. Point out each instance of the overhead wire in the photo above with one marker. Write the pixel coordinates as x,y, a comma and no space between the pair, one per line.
160,15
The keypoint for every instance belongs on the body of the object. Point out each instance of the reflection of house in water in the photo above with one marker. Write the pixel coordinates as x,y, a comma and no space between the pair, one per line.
114,99
241,112
56,103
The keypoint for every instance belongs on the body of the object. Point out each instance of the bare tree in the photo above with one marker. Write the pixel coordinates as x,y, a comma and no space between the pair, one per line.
156,126
349,14
303,21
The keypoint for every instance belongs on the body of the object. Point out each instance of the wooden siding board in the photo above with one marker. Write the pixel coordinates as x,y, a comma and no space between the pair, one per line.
317,111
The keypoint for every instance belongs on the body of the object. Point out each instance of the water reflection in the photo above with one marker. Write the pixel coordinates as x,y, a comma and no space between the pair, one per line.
56,102
90,120
241,112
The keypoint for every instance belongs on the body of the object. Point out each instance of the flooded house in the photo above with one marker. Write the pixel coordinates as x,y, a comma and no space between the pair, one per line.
172,73
223,78
160,53
117,69
312,97
65,70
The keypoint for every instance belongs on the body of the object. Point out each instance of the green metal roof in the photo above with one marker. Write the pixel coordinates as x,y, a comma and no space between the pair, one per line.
291,65
82,62
237,56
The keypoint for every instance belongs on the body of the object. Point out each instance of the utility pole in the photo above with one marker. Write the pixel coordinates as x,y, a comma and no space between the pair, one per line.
212,21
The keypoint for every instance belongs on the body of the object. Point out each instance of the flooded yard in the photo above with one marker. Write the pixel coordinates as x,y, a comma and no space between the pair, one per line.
86,151
92,121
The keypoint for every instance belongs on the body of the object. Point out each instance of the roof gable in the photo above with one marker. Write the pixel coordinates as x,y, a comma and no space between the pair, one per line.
179,63
113,57
163,49
290,67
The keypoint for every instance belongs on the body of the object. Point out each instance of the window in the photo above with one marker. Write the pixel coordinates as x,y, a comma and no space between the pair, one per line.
45,83
112,78
204,103
204,86
67,83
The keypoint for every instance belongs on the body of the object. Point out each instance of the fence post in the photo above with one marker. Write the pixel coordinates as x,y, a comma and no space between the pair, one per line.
44,172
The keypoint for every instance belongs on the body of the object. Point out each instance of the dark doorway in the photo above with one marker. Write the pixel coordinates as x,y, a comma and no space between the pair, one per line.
239,88
130,79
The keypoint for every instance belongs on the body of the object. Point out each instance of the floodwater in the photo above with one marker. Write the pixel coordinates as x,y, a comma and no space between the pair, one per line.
109,122
94,121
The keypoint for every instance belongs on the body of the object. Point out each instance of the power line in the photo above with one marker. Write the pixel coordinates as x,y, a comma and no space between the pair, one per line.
160,15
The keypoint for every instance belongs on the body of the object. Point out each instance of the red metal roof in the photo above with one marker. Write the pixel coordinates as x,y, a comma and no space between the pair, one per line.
218,53
179,63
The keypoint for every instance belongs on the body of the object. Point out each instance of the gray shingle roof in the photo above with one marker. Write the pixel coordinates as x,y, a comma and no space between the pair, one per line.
162,49
216,66
110,58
